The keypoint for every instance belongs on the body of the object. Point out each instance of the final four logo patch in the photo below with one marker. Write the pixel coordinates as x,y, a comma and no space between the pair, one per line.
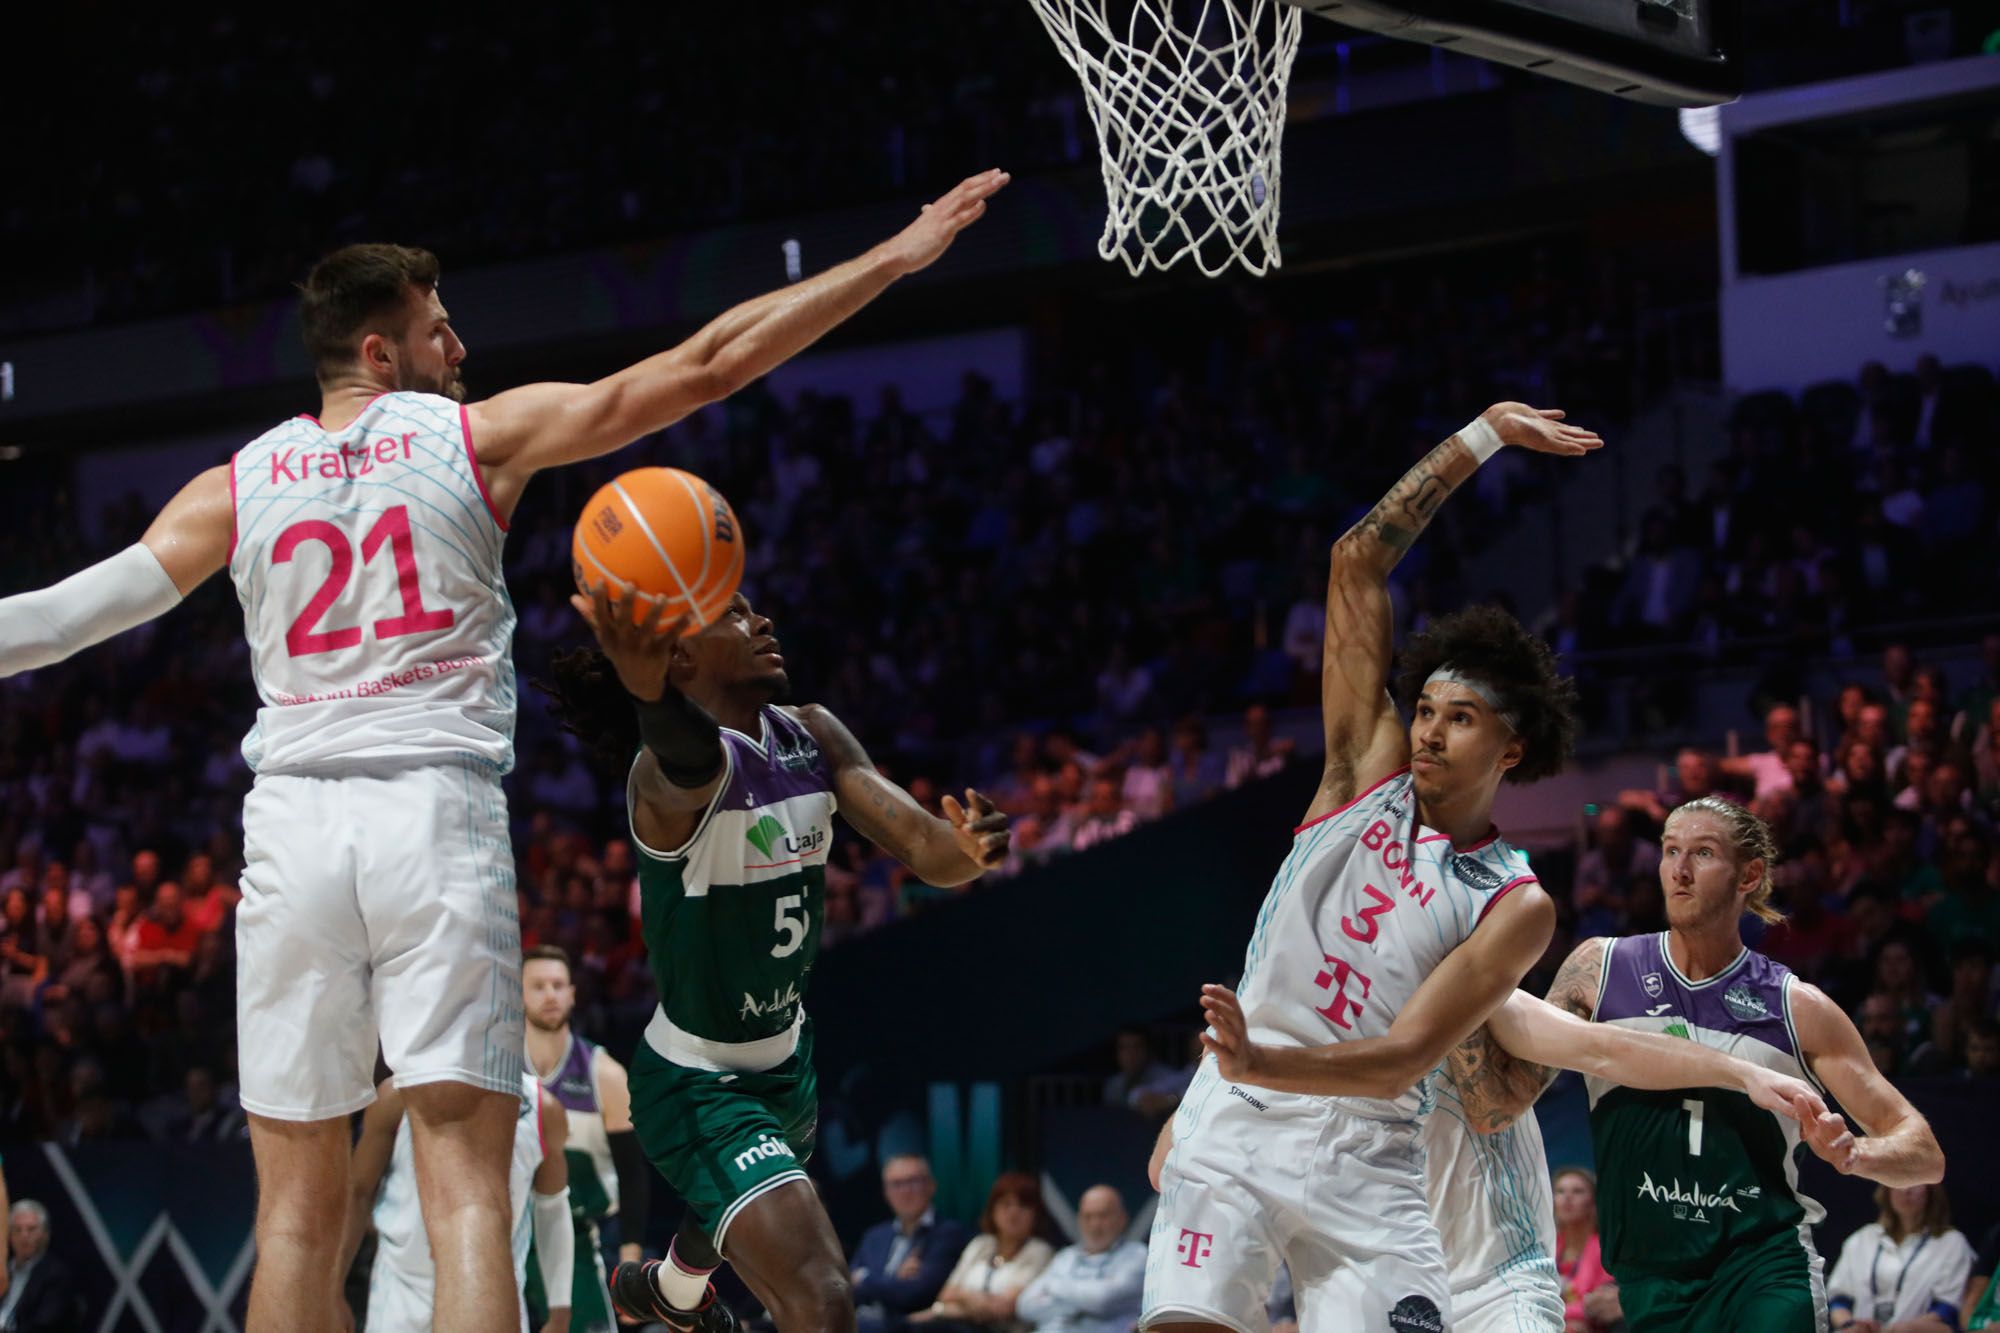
1745,1003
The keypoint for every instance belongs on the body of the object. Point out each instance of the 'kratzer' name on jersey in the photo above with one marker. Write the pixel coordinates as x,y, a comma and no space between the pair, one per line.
343,463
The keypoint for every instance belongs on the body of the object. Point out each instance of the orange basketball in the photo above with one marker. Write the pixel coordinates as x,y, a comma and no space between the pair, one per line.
665,532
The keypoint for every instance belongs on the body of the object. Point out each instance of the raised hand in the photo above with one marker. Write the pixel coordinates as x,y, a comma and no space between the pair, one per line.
919,244
641,647
979,828
1237,1058
1830,1139
1540,429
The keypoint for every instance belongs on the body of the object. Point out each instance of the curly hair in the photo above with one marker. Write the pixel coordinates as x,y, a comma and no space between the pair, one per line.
1488,644
590,704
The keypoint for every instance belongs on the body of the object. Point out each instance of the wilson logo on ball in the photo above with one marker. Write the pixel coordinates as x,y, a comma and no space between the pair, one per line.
666,533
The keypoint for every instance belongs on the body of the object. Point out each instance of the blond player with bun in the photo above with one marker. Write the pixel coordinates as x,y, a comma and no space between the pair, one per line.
378,898
1700,1215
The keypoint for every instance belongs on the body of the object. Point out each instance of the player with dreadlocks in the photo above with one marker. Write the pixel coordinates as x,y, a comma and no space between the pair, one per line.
731,799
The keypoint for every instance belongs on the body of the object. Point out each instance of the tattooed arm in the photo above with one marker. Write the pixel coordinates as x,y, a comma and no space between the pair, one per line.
1364,736
1496,1087
968,842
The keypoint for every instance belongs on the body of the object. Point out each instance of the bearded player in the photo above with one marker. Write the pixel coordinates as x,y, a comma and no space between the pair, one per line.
731,798
1396,875
608,1176
1699,1208
378,898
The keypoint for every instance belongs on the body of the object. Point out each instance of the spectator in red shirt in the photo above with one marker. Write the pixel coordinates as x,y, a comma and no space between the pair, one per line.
208,901
166,938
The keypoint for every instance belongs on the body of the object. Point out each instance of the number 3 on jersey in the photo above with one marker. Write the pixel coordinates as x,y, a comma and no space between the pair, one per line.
393,528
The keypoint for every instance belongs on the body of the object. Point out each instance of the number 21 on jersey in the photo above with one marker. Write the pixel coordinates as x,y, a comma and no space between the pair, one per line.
392,529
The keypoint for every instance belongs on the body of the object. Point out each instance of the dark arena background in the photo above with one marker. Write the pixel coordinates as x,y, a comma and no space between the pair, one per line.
1034,525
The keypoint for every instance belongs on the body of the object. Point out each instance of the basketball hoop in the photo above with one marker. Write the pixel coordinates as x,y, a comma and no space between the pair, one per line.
1189,117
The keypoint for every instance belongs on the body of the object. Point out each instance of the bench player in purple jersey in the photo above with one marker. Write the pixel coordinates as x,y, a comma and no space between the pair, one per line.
378,898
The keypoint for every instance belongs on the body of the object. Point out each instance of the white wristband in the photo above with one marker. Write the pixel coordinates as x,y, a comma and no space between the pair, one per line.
1481,439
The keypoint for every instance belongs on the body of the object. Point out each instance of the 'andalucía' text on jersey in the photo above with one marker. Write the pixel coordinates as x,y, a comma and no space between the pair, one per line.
1363,910
1687,1176
731,920
367,560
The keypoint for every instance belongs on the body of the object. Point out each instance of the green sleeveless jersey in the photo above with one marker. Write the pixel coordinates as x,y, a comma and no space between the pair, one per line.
731,919
1688,1176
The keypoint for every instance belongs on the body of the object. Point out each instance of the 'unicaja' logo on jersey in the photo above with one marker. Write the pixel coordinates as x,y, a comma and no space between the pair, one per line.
765,834
1745,1003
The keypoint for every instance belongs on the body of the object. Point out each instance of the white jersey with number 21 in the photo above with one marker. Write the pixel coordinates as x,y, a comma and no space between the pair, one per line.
367,561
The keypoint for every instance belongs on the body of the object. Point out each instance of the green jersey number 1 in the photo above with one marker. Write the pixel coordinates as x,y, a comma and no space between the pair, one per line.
1694,1109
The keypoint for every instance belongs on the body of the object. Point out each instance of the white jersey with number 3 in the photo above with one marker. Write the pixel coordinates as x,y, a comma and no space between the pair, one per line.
1363,910
367,560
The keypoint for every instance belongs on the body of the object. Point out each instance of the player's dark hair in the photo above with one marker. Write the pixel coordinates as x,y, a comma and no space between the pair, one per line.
546,953
588,701
1489,645
353,288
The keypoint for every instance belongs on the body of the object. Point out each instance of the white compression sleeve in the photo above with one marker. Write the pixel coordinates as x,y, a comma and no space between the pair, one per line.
555,1245
45,626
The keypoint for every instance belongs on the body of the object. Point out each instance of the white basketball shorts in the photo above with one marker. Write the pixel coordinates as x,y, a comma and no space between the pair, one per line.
376,907
1256,1177
1528,1300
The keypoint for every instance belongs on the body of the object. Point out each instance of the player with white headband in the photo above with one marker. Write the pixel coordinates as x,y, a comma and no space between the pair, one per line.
1399,914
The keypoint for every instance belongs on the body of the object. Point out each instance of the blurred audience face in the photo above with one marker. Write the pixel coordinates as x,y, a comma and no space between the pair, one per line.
1576,1200
1896,969
1881,1019
1852,697
908,1186
1696,775
1781,727
1917,768
1871,728
1257,726
1982,1053
1802,763
1100,1219
167,905
1861,765
1013,1222
27,1234
1105,798
1920,724
145,871
1897,664
1134,1054
1944,791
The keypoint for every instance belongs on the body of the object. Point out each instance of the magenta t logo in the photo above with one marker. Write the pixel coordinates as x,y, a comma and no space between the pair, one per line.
1195,1246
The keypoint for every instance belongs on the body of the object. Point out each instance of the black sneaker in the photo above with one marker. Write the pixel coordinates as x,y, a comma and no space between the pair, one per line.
636,1295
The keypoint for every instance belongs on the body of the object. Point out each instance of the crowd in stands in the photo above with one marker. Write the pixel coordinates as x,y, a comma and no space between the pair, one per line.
222,156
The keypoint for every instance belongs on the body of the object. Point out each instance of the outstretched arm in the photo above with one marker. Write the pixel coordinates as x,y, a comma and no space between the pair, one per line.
1364,741
1535,1030
518,433
1496,1085
1899,1148
187,542
968,842
1472,981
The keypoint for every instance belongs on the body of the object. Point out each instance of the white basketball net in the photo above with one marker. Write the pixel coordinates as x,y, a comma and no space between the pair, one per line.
1189,120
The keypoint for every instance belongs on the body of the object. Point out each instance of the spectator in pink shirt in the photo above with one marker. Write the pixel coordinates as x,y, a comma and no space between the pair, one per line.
1579,1264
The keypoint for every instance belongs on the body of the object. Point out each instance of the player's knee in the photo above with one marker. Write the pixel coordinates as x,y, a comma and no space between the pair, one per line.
823,1302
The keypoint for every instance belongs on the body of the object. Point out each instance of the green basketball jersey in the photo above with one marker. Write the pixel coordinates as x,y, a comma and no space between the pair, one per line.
1687,1177
731,919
